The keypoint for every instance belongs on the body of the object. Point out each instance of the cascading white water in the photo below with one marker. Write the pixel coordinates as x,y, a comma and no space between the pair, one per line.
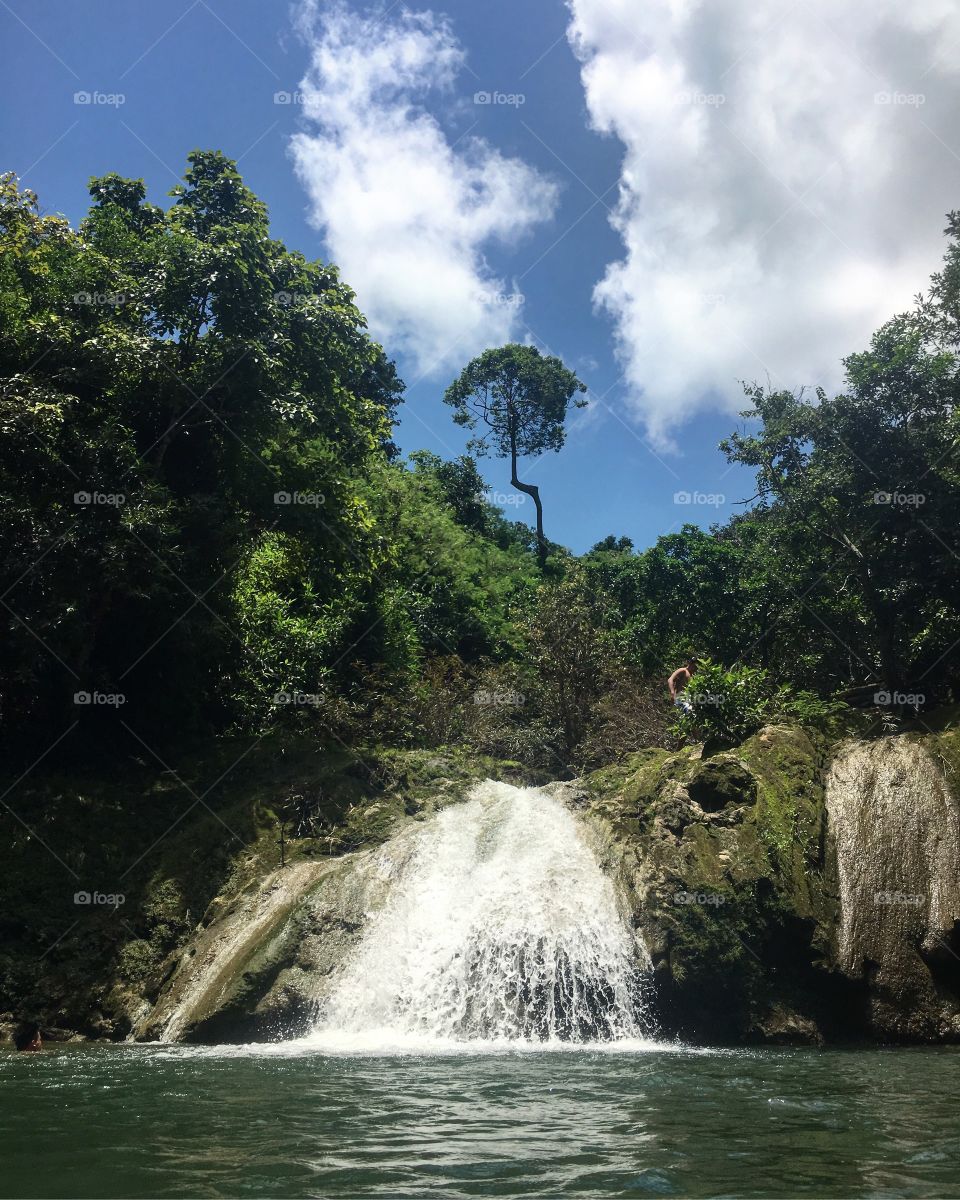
499,926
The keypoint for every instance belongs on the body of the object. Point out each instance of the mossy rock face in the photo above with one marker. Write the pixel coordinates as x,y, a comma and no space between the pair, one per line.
945,744
271,938
730,892
724,859
721,781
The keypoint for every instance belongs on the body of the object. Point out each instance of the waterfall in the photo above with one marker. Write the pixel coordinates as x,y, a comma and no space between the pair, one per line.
499,925
896,828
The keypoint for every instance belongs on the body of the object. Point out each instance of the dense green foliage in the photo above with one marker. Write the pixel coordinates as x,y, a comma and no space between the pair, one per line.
730,705
202,524
205,525
167,378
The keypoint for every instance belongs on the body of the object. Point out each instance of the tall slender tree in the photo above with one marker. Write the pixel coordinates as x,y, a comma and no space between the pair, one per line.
522,397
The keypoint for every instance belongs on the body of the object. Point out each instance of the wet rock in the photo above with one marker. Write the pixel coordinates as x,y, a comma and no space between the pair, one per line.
724,880
767,923
786,1028
731,873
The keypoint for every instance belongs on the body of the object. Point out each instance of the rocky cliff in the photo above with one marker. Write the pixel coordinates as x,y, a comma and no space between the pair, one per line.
790,889
894,823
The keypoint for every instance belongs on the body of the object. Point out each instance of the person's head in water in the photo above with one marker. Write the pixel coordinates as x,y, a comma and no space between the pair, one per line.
28,1037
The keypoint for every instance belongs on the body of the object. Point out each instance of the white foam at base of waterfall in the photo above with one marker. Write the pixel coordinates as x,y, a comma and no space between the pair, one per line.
500,931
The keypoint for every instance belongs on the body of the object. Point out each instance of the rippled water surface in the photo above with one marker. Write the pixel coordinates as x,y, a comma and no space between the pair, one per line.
175,1121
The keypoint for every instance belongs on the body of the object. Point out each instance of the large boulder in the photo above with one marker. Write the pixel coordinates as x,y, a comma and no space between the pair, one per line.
793,890
726,884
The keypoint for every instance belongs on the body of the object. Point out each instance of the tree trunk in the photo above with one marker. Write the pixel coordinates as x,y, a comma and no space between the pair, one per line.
531,490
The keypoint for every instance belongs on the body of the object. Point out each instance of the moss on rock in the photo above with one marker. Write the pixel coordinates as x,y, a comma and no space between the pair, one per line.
724,858
721,781
731,895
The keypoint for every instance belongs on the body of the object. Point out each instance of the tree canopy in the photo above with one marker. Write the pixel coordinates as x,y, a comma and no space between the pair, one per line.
206,525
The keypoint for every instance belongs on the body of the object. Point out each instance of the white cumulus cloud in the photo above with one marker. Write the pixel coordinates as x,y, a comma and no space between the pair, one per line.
787,167
406,211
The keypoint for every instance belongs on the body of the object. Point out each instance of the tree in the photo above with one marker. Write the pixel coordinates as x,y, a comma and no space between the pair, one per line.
522,397
863,493
570,655
167,377
462,487
612,544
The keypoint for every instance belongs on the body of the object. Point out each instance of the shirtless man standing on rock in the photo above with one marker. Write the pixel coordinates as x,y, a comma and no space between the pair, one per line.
678,681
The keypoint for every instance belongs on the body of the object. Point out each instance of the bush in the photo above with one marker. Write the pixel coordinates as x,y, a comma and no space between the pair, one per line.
726,704
136,960
632,714
730,704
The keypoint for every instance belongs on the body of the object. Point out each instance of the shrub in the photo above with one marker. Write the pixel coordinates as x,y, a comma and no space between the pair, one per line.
730,704
632,714
726,704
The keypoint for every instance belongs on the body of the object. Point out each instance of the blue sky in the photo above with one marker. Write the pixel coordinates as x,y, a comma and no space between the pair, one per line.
752,195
